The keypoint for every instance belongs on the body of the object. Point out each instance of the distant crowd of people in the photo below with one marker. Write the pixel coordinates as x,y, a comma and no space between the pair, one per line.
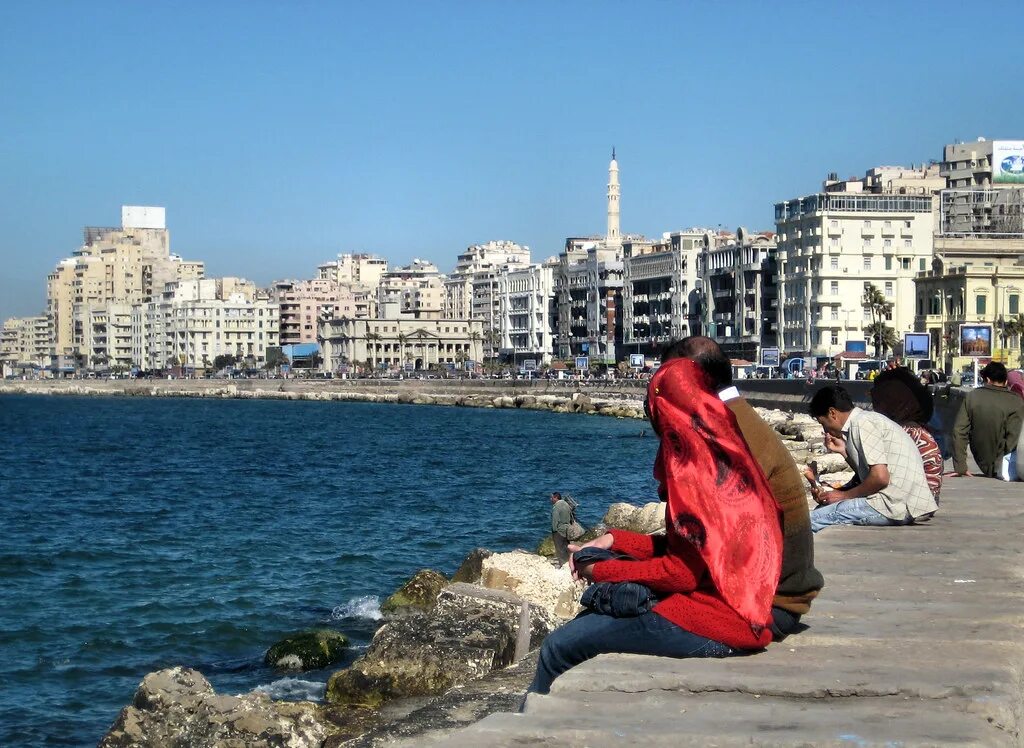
735,569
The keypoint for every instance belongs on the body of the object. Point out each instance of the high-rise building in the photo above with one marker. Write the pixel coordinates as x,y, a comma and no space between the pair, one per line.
834,244
415,289
122,266
527,312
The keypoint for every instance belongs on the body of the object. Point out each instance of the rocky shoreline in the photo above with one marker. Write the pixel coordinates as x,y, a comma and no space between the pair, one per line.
626,402
450,650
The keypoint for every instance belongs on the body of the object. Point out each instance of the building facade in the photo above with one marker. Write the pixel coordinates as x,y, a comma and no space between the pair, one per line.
526,312
832,246
403,343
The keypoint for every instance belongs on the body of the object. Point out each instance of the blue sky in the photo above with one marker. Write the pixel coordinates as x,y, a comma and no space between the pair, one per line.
280,134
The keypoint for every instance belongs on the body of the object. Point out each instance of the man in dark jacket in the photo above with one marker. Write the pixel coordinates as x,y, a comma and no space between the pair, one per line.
990,420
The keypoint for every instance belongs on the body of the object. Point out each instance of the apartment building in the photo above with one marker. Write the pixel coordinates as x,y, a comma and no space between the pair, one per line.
363,270
740,297
25,345
418,289
833,244
120,266
304,304
195,321
661,295
526,312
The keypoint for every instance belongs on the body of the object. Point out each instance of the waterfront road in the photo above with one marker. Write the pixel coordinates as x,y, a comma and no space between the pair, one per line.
916,640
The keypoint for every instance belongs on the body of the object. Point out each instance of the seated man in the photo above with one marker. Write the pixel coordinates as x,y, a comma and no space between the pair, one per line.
800,581
889,486
990,421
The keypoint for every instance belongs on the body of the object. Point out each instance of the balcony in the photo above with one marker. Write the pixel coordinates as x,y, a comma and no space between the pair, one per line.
835,230
867,231
888,231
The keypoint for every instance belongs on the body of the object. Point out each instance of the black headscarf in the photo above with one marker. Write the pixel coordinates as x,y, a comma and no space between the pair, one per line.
899,395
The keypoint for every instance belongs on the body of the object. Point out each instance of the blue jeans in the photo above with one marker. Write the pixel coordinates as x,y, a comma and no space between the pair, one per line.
591,634
850,512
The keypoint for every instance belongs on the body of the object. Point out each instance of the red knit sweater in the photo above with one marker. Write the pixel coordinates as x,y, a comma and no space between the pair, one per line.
689,599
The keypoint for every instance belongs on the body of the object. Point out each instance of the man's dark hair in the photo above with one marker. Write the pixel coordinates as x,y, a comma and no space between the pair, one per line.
708,356
556,495
994,372
830,396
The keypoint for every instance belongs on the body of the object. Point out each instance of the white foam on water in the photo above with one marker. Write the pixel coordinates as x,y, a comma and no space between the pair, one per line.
367,606
293,689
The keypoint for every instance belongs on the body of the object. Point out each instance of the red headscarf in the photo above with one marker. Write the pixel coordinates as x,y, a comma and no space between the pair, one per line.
718,498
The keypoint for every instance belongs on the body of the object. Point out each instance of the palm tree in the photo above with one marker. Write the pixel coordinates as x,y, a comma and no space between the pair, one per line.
374,339
883,336
474,339
1014,328
874,301
402,340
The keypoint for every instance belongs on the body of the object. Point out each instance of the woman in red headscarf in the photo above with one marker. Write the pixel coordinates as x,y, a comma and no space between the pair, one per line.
715,570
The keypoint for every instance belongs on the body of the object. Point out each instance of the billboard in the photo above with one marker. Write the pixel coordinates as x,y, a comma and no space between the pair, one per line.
917,345
769,357
582,363
636,360
856,346
1008,162
529,364
976,341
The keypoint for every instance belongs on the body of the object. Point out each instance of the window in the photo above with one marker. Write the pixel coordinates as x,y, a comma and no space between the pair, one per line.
888,288
867,313
888,263
907,244
922,266
906,224
833,224
833,242
979,304
888,224
867,243
867,224
1014,303
835,337
834,288
834,262
887,243
867,262
835,312
905,263
920,306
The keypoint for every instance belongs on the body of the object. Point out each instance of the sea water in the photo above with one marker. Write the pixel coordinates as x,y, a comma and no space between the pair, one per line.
138,534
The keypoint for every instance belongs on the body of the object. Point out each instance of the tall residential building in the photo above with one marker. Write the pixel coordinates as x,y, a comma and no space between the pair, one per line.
127,265
364,270
588,288
471,290
977,276
833,244
195,321
661,296
24,345
740,297
415,289
304,304
526,304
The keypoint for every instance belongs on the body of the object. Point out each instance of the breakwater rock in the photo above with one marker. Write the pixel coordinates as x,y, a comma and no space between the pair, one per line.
625,401
307,650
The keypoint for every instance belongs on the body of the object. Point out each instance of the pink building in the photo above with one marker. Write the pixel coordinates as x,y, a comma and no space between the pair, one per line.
303,304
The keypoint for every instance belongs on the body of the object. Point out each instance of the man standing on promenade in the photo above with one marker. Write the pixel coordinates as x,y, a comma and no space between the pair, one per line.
800,581
561,520
889,486
990,420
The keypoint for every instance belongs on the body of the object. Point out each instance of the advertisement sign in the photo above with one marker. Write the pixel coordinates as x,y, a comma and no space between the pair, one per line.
529,364
636,360
976,341
769,357
470,365
1008,162
582,363
917,345
585,347
856,346
410,367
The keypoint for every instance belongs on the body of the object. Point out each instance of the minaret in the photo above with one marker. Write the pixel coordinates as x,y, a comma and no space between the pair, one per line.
613,238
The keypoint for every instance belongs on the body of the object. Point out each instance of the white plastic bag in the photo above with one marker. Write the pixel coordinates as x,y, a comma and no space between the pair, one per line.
1008,467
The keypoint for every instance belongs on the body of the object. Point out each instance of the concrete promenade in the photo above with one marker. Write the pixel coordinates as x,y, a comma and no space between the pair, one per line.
917,639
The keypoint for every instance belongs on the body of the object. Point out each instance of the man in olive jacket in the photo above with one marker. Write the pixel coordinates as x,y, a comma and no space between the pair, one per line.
990,421
561,520
800,581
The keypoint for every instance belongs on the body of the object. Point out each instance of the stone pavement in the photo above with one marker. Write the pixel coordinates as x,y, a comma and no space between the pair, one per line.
916,640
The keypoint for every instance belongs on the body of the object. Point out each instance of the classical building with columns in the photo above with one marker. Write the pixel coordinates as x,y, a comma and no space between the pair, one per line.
400,343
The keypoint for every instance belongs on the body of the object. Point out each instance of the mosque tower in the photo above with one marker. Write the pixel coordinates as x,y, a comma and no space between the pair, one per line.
613,237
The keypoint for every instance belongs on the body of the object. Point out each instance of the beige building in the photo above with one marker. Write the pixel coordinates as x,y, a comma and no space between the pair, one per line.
25,345
416,289
403,343
833,244
304,304
127,265
363,270
195,321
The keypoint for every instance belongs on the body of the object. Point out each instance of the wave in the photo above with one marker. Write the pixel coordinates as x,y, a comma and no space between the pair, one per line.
367,606
293,689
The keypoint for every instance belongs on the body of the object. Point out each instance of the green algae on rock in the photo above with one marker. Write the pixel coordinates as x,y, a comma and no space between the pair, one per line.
308,650
416,595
